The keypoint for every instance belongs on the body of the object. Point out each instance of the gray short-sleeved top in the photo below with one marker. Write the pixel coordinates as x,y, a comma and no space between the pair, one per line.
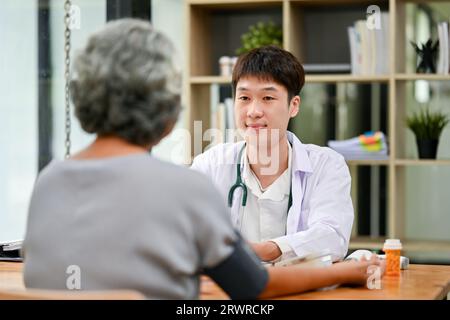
127,222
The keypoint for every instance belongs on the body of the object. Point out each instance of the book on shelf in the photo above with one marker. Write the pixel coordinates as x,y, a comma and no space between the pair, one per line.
355,51
369,47
217,116
382,46
218,122
230,123
443,56
221,116
368,146
229,111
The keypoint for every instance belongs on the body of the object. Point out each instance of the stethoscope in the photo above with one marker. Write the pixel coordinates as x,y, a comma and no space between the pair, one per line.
240,184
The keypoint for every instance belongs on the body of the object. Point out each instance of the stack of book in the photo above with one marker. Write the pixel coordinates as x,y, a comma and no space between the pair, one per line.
369,45
221,117
10,251
368,146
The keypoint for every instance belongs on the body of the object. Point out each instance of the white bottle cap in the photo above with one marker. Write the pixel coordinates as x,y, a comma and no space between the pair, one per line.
224,59
392,244
225,66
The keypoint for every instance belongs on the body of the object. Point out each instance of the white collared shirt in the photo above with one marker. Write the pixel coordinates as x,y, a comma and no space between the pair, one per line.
264,217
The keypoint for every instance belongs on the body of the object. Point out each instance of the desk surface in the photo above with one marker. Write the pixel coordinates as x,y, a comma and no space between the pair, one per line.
421,282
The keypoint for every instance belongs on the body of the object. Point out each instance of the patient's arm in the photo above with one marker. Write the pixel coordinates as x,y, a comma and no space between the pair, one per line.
290,280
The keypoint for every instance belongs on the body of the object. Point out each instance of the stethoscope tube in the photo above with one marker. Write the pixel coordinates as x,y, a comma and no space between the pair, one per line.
240,184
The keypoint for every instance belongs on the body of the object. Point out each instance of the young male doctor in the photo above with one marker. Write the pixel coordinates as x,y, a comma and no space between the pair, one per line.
287,198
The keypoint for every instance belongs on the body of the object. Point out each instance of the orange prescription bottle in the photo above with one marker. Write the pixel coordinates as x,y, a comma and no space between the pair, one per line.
392,248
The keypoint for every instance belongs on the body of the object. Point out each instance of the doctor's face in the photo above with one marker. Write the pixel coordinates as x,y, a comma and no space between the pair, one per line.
263,110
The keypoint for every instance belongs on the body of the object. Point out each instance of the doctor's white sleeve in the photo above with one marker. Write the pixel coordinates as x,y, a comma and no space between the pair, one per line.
201,164
329,216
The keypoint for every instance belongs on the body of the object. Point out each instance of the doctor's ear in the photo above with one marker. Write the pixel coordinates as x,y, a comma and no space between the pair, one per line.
294,106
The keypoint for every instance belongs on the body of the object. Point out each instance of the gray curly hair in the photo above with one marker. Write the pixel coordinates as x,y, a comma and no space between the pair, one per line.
125,83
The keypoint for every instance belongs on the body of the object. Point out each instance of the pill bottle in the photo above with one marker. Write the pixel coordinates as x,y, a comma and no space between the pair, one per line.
392,248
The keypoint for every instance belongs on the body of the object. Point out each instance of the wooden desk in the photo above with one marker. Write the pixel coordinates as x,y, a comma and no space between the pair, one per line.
421,282
11,276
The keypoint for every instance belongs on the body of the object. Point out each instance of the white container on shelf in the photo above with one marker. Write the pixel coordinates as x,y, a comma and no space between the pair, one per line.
225,66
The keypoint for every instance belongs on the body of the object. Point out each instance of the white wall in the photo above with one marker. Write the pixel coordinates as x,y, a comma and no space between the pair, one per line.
168,16
93,17
19,104
18,113
19,92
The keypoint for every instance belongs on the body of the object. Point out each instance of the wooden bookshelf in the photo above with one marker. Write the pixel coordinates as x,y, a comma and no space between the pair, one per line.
210,80
325,78
345,78
368,162
408,245
428,77
233,4
417,162
202,72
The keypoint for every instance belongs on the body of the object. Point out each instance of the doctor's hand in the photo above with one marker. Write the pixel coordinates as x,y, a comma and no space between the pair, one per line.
267,251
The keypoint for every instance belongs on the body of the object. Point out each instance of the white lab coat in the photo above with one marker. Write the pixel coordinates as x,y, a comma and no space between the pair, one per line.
321,215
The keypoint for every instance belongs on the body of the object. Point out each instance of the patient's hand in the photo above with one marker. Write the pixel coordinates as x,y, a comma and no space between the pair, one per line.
267,251
358,272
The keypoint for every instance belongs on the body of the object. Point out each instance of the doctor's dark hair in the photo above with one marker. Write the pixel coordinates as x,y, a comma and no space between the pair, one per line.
271,63
125,83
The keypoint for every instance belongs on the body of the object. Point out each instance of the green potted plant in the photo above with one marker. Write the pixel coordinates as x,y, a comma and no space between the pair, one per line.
427,127
261,34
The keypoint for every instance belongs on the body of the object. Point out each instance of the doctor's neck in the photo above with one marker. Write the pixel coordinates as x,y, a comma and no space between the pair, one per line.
268,162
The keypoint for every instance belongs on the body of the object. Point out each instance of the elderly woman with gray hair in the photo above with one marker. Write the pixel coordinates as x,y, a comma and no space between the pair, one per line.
125,220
